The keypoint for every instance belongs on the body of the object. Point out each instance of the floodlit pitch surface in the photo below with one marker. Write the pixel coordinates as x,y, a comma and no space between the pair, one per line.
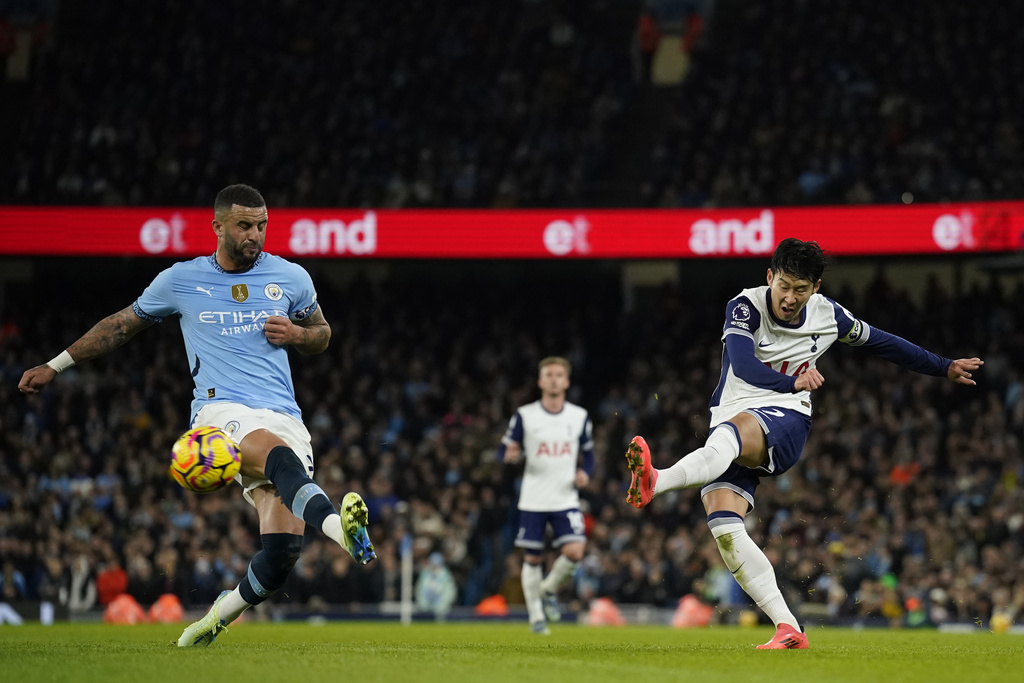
359,652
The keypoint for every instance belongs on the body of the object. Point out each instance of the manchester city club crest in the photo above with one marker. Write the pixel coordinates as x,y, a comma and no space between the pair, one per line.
273,292
239,292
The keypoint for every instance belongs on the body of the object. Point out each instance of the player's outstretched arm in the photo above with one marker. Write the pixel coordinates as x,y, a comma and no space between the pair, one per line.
105,336
310,335
960,370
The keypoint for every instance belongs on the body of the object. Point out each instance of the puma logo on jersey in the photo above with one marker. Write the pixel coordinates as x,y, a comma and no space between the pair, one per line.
208,292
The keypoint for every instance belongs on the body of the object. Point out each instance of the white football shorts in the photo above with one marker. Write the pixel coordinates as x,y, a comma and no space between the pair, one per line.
238,421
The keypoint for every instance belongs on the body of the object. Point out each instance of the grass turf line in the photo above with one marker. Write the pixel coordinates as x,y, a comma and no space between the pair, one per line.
495,653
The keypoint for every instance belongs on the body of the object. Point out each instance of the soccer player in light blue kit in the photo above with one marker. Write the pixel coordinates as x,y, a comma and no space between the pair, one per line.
557,439
761,411
239,309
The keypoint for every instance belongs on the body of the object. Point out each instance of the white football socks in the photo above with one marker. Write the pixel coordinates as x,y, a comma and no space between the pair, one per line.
563,568
703,465
332,528
232,606
752,570
531,591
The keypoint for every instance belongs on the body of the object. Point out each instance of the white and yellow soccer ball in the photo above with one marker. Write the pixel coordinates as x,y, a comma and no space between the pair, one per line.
205,459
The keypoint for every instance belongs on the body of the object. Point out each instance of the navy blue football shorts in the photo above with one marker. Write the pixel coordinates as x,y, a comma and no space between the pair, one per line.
786,433
567,525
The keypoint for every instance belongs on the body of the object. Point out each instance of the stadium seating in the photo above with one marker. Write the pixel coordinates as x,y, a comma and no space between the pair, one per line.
518,103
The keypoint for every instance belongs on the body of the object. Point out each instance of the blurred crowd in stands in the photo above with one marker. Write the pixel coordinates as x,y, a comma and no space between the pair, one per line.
907,508
796,103
522,103
441,103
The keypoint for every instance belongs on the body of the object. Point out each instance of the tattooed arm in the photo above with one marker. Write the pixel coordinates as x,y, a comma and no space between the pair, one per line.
105,336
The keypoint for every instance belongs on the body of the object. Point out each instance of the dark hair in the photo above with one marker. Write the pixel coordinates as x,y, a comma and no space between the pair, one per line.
805,260
242,195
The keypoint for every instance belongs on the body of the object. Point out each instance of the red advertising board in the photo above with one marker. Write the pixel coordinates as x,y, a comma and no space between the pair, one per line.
554,233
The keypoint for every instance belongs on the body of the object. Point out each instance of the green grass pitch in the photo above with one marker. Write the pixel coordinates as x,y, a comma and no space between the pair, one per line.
360,652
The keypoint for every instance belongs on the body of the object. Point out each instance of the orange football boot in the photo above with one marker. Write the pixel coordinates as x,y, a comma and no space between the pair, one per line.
786,638
641,487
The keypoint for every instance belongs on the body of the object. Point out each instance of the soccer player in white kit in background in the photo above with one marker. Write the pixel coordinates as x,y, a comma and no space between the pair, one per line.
239,309
556,438
761,411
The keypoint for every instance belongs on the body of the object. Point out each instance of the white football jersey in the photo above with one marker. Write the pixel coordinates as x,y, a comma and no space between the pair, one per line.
552,444
787,348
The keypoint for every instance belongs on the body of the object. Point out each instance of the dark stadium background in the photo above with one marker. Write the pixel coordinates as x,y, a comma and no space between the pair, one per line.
907,507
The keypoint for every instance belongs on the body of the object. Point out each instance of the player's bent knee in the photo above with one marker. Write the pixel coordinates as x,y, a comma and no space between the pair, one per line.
275,516
725,500
574,551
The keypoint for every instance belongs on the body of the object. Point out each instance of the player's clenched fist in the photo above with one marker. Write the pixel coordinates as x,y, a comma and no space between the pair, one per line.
280,331
36,378
809,380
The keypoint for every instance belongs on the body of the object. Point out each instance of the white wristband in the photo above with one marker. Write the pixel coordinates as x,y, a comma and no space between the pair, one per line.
62,362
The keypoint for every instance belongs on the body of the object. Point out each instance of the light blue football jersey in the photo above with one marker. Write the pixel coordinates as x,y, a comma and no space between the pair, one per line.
222,316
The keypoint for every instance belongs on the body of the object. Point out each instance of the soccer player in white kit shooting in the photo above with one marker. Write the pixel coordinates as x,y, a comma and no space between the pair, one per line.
761,411
239,309
556,438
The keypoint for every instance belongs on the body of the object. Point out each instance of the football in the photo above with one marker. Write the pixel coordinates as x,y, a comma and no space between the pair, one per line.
204,459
